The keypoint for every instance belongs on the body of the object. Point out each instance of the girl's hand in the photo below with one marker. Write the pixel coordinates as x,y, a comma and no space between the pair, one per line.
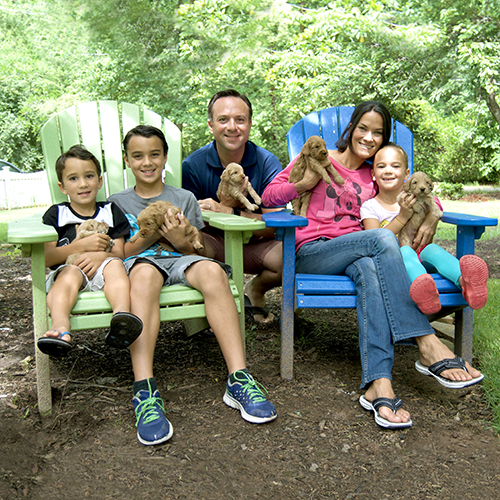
406,202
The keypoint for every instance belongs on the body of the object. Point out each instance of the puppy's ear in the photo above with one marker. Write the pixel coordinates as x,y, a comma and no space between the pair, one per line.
225,175
406,185
159,218
305,148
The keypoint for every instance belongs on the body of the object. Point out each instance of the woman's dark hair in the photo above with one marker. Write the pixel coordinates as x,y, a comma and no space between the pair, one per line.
145,131
345,139
76,151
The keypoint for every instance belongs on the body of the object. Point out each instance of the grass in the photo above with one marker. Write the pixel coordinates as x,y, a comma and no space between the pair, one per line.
486,209
8,215
487,348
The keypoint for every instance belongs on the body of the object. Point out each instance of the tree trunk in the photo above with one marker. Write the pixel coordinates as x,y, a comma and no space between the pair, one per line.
493,106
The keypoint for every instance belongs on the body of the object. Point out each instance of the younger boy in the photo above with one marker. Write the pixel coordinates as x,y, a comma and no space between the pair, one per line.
150,268
389,171
79,175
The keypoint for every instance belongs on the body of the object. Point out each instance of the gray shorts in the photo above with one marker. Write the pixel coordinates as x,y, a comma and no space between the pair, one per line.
173,268
96,284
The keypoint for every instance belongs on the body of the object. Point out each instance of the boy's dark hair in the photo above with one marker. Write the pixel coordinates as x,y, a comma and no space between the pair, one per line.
345,140
398,148
76,151
229,93
145,131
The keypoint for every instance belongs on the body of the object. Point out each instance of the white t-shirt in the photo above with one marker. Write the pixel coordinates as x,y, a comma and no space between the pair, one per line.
372,209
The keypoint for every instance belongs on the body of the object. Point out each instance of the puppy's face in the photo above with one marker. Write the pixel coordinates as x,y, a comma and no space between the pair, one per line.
233,173
149,220
419,184
316,148
91,226
152,217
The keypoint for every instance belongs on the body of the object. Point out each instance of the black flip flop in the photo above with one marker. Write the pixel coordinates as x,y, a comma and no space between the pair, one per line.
124,329
56,347
251,311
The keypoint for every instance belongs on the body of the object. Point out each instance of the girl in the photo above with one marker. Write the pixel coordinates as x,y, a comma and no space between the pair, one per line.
389,171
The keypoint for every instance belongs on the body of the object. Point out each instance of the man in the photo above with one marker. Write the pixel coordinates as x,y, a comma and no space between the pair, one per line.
230,121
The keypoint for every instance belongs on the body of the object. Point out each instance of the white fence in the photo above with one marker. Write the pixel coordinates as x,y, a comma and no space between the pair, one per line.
23,190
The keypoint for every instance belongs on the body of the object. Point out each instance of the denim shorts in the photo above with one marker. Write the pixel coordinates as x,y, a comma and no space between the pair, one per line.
173,267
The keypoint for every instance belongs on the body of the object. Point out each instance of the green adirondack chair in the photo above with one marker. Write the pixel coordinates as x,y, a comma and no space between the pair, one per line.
100,126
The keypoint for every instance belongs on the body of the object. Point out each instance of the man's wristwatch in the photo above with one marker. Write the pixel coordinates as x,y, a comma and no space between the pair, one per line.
236,211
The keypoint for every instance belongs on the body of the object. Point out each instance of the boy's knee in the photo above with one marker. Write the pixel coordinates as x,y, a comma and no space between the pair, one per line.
206,271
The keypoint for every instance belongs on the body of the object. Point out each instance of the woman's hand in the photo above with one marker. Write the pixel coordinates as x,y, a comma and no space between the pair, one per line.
309,180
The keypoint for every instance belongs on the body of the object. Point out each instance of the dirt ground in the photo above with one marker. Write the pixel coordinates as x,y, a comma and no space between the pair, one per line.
322,445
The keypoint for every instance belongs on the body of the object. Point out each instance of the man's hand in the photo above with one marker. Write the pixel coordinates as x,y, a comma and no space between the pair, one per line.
426,232
210,205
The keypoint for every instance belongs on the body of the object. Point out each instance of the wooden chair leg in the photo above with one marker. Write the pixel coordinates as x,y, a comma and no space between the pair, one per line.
40,326
464,325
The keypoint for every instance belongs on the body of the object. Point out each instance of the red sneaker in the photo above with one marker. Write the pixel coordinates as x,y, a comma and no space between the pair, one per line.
474,278
424,293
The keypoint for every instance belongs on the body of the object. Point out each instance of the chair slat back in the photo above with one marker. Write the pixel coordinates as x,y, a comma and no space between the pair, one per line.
100,126
329,124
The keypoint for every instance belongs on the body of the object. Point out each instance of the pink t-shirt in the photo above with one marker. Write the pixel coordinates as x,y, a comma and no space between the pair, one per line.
334,210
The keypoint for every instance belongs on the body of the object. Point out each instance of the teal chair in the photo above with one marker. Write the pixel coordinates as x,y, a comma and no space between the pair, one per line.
338,292
100,126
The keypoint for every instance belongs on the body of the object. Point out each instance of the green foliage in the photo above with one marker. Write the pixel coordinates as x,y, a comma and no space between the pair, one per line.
433,64
487,347
449,191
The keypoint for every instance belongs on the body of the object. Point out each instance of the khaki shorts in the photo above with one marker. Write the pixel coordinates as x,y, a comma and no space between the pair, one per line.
96,284
254,251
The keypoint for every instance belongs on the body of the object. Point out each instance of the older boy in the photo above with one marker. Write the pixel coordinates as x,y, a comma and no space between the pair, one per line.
151,267
79,175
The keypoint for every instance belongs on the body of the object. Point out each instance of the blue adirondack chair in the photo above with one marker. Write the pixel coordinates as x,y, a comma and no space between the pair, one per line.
338,292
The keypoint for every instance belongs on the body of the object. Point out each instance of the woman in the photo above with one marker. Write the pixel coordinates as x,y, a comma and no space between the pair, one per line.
334,243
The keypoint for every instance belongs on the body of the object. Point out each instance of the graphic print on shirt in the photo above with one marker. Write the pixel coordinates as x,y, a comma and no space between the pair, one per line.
154,250
341,201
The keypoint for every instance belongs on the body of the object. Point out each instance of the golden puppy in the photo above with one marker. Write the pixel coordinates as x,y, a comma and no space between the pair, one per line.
90,226
151,219
314,156
230,184
420,185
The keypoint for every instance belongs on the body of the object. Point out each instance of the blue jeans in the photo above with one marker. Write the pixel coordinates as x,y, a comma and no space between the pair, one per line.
386,313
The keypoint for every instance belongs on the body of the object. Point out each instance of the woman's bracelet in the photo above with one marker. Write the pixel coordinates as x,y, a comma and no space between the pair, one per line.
398,221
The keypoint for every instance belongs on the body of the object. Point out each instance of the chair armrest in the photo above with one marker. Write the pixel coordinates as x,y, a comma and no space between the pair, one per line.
30,230
229,222
469,229
285,223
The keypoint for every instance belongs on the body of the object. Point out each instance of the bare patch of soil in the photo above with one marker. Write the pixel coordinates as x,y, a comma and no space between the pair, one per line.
322,445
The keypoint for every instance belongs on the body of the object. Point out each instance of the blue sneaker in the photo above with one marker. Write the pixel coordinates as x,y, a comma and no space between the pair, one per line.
245,395
152,425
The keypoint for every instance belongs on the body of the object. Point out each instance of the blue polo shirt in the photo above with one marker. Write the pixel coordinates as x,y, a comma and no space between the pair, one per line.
202,169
